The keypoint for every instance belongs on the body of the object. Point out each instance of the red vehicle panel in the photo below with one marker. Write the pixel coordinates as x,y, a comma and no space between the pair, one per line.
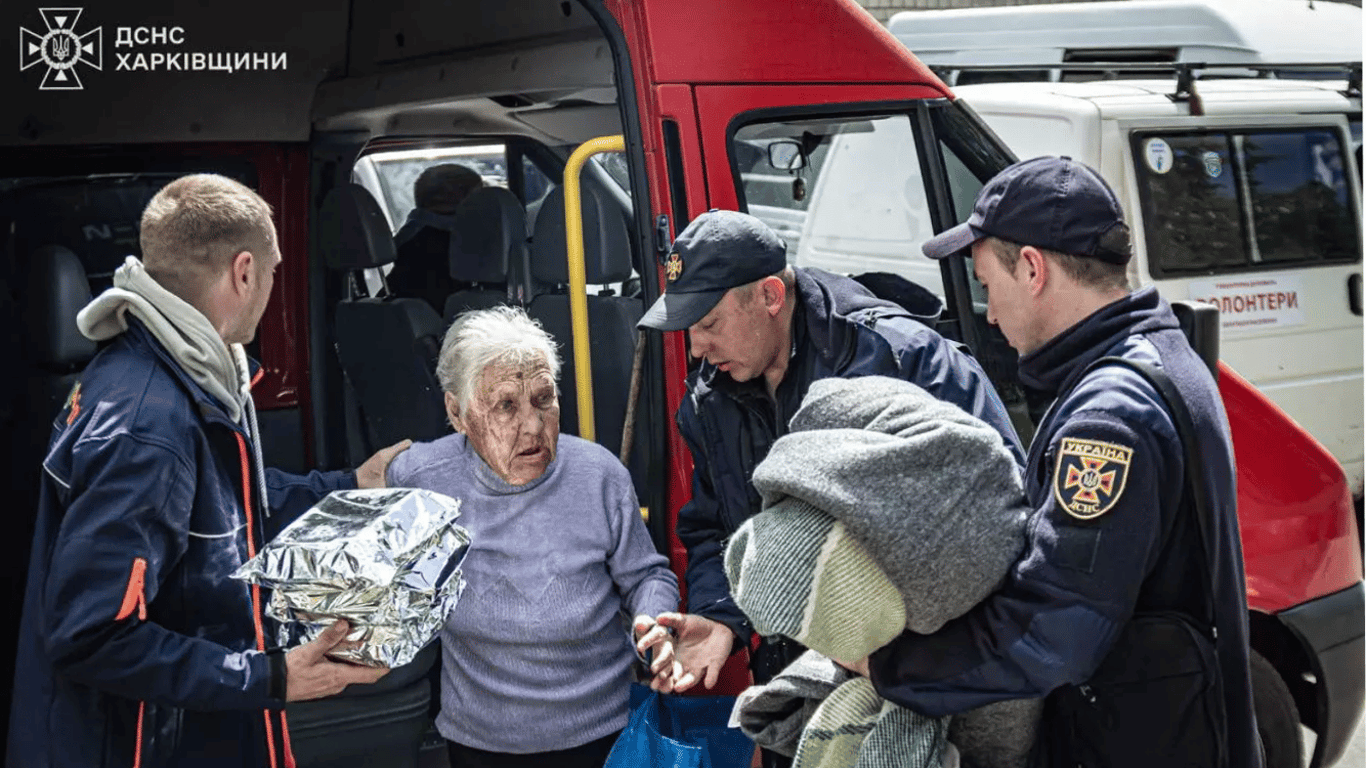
803,41
1299,533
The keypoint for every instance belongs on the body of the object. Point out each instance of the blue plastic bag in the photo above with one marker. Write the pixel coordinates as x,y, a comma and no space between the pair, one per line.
668,731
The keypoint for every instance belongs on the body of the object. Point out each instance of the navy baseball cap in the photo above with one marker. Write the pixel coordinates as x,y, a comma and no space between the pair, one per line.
1053,203
716,252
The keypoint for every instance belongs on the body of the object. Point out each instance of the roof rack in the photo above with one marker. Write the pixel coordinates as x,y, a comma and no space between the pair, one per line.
1184,71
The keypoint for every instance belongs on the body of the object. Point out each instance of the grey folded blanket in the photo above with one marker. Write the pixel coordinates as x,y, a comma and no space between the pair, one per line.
884,509
822,714
775,713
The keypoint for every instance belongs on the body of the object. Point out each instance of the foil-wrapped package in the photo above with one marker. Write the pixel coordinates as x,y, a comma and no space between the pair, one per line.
386,559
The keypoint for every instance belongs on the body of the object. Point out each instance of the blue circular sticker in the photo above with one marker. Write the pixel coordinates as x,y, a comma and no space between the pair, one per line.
1158,155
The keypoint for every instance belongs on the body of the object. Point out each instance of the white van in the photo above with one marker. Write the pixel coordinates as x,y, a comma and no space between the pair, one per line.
1206,31
1254,205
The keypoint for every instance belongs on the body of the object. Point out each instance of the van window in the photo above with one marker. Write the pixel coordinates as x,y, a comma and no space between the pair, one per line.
846,193
617,168
95,215
1229,201
395,171
860,203
535,183
781,196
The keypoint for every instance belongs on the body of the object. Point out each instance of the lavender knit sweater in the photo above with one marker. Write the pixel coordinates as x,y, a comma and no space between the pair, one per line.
535,657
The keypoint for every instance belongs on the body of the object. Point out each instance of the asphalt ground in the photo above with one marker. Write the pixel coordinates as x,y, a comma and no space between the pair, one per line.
1354,757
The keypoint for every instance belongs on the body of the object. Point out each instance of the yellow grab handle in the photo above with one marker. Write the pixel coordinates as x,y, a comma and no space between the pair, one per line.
578,281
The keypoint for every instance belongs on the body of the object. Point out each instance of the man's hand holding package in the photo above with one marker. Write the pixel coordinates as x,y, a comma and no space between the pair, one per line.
703,647
311,675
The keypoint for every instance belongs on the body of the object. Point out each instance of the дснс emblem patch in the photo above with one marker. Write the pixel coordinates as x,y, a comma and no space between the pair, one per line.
673,266
1090,476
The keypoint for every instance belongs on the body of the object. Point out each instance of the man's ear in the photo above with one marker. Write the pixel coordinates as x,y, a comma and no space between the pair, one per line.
774,294
243,272
453,412
1033,268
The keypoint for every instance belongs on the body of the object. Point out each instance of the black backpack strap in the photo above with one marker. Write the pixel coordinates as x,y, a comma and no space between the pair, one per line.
1185,430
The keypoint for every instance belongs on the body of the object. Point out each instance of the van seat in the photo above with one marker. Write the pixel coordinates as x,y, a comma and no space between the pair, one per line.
387,346
607,260
488,249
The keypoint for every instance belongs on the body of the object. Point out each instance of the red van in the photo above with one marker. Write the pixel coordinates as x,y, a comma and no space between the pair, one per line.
309,101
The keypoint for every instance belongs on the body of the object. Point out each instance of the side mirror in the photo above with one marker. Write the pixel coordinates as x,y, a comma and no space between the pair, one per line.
786,156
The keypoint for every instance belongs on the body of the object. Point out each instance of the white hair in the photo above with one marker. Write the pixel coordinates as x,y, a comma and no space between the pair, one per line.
496,336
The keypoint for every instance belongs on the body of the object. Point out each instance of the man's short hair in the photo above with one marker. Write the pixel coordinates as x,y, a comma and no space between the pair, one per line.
441,188
1092,273
194,227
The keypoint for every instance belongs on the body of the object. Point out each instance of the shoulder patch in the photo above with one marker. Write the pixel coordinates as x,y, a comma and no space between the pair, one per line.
73,404
1090,476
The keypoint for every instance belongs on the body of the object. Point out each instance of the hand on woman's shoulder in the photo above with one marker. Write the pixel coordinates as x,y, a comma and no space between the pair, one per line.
406,468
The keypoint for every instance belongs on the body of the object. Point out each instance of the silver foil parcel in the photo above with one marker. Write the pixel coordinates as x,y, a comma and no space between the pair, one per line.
385,559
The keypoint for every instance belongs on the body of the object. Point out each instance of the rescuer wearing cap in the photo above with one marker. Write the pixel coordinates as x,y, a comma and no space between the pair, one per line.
763,332
1126,608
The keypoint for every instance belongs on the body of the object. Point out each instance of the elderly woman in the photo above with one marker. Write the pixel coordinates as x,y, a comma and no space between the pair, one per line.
536,662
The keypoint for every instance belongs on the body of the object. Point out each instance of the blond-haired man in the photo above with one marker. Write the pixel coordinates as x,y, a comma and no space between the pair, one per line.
136,647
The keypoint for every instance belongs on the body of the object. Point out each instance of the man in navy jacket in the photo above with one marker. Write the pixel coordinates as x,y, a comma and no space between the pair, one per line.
136,646
764,331
1114,548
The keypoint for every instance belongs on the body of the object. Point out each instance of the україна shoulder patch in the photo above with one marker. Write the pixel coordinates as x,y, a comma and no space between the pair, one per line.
1090,476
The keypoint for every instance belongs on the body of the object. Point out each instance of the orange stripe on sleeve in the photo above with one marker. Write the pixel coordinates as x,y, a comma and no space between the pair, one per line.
135,595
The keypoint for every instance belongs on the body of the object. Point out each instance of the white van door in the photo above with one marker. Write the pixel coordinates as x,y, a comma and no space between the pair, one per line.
1262,218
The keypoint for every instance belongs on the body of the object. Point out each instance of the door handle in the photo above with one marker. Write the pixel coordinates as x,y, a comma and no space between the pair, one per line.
1354,293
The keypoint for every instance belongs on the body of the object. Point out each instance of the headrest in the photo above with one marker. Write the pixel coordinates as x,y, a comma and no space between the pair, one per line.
490,230
55,292
420,219
352,230
606,244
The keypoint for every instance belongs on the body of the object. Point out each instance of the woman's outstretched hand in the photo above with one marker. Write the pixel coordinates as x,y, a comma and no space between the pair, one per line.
666,673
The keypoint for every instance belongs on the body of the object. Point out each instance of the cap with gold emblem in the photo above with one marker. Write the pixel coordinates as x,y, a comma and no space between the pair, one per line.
717,251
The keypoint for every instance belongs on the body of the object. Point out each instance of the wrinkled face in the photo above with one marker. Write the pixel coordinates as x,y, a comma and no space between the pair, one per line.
1008,299
738,335
513,420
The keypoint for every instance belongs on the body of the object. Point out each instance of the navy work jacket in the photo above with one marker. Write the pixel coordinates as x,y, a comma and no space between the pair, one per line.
136,646
1097,552
839,329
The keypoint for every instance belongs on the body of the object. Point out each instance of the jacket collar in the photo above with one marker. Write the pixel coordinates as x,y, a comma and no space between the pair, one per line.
1054,367
209,406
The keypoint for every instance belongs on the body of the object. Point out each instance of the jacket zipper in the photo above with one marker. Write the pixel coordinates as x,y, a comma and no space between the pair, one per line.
254,431
256,606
